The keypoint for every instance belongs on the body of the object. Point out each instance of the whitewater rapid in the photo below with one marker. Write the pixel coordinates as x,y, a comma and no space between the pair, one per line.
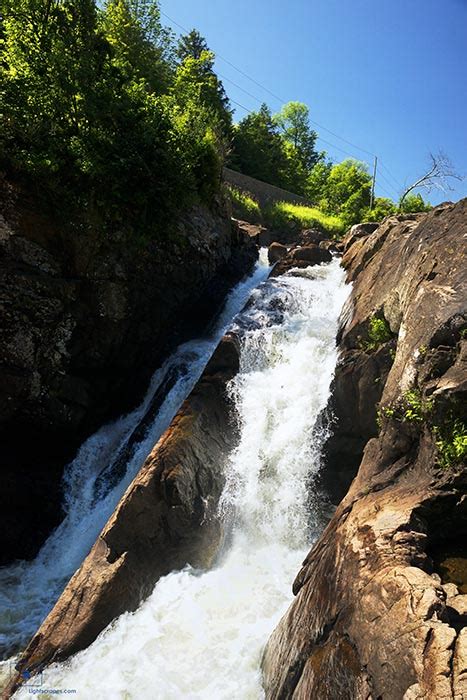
99,475
200,635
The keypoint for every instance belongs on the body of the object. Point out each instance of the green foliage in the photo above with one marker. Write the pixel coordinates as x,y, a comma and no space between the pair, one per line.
244,206
452,443
293,123
258,149
379,333
317,181
415,407
450,432
283,214
278,150
198,65
347,191
383,207
97,115
415,203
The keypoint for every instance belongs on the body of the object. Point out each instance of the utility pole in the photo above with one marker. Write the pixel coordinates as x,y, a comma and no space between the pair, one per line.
372,197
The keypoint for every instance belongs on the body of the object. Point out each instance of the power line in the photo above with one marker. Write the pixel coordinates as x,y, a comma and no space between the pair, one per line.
347,153
387,182
282,101
383,189
399,186
239,105
224,77
276,97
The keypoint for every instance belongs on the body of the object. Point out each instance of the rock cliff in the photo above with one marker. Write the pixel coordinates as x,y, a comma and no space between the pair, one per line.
87,315
381,605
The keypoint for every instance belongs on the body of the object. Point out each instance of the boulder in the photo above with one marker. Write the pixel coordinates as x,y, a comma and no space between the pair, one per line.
330,245
312,235
301,257
276,252
165,520
377,612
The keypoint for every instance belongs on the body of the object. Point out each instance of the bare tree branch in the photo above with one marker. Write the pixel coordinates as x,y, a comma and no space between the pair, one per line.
437,177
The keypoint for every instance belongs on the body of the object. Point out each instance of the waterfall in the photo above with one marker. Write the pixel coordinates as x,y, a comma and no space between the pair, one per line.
97,478
200,635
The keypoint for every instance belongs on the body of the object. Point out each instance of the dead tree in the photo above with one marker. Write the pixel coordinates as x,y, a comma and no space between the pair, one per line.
437,177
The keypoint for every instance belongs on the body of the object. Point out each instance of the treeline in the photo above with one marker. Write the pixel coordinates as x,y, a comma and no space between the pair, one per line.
281,149
104,112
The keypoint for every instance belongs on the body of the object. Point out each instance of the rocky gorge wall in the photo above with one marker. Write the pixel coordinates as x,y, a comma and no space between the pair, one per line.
381,605
87,315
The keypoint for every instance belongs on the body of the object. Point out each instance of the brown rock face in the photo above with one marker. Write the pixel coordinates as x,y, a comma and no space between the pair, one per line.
165,520
312,235
379,610
300,257
86,317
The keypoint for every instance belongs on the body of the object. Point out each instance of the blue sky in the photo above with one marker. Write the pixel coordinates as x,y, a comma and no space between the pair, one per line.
390,76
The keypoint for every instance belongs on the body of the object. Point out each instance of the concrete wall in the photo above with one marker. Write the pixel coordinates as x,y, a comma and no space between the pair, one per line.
261,191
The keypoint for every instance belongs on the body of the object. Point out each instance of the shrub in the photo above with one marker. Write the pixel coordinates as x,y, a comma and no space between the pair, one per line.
452,443
378,334
415,407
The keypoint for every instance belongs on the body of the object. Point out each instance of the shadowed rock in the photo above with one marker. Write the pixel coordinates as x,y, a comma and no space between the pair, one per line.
276,252
87,315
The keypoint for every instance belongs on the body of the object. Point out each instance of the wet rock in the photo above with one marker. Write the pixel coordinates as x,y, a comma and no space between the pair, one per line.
258,233
300,257
276,252
165,520
374,614
331,246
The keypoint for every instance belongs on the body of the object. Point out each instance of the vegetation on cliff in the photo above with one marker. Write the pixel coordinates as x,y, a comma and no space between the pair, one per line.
101,112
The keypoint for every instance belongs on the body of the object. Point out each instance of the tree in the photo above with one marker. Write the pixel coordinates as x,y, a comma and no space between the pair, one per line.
258,148
383,206
191,45
438,176
414,203
317,181
193,51
98,119
293,124
347,191
140,45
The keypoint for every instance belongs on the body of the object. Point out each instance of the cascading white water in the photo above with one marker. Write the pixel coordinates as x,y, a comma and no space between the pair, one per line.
200,635
28,590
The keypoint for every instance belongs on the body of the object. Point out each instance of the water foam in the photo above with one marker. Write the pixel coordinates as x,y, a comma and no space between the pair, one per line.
200,635
29,589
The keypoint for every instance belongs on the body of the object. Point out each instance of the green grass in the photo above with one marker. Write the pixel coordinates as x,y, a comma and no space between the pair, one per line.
244,207
285,214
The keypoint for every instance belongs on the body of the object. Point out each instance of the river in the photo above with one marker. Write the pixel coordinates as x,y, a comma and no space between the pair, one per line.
200,635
